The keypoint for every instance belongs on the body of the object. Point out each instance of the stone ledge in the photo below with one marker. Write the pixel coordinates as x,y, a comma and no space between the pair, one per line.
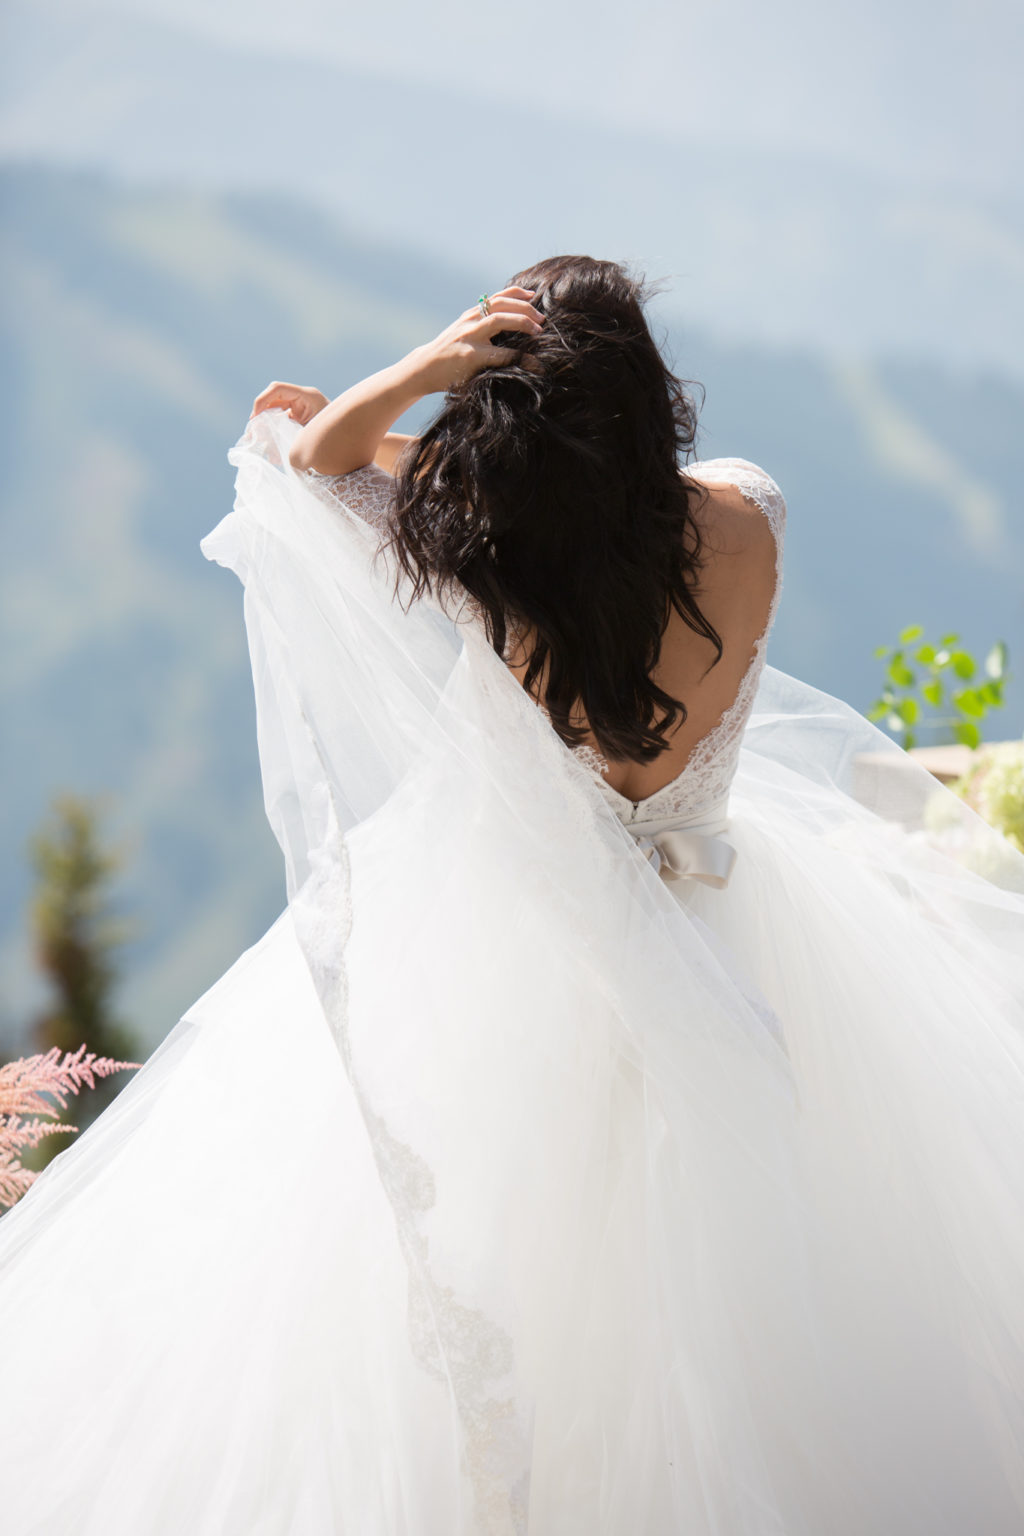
944,763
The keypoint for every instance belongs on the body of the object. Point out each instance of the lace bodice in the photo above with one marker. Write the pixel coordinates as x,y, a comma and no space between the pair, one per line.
709,771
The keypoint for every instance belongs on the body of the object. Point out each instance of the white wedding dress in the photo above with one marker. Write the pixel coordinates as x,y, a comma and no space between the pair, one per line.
555,1164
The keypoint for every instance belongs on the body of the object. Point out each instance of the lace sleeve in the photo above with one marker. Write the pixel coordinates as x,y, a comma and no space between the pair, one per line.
752,482
758,487
368,492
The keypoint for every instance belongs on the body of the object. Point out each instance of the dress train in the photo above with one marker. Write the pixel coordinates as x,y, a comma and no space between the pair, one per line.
505,1186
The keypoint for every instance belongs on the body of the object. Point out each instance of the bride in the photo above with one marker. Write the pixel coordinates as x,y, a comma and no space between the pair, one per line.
621,1131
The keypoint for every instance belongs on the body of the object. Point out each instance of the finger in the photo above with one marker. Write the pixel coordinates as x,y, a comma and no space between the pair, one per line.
510,306
514,292
504,303
275,394
493,324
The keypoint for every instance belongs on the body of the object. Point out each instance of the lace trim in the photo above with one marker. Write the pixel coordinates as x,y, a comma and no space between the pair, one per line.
711,766
589,756
368,492
457,1345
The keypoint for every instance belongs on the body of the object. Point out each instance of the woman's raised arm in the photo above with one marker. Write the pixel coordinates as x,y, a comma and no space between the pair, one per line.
347,433
392,446
339,436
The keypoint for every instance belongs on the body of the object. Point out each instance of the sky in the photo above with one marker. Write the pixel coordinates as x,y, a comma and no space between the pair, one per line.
928,89
845,177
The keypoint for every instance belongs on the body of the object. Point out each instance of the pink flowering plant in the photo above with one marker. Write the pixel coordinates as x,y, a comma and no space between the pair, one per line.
34,1091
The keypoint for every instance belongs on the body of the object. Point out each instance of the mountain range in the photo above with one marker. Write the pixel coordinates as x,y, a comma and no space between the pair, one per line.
764,235
138,323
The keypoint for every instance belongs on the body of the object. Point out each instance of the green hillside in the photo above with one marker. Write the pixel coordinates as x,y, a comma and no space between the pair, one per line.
138,325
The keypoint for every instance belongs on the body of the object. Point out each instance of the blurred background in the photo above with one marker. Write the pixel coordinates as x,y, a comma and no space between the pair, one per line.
198,199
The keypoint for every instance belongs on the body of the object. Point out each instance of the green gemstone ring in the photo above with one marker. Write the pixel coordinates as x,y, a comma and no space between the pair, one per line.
485,304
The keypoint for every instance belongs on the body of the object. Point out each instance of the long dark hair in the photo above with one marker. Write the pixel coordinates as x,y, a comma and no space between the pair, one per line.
550,491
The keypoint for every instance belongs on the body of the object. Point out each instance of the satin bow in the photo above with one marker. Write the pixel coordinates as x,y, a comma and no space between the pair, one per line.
681,848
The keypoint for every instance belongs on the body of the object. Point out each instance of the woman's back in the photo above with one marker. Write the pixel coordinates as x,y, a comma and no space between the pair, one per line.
742,527
741,522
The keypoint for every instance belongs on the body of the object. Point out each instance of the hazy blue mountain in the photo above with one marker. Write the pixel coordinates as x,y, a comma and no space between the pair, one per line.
137,325
761,244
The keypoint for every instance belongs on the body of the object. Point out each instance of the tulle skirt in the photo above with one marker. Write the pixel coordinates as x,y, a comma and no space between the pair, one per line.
503,1189
510,1224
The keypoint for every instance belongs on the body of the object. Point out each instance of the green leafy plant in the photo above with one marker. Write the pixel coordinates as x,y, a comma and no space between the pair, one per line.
78,935
938,687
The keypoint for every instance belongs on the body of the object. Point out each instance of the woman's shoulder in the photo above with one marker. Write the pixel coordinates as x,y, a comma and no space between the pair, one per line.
744,490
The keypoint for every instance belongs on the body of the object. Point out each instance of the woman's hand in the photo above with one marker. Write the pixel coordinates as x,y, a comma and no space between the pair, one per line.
339,436
300,401
465,346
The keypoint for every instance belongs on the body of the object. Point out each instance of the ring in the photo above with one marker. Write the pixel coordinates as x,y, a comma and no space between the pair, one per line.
485,304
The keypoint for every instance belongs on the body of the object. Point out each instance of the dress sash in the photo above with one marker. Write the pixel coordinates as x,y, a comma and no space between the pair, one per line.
689,847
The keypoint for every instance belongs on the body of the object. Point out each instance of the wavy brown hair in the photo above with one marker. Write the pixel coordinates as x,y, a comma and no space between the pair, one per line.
550,490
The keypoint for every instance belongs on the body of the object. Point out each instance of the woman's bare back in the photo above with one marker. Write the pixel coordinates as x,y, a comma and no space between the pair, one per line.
736,592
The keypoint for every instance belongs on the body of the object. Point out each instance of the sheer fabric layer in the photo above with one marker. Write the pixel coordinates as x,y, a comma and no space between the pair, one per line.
533,1195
